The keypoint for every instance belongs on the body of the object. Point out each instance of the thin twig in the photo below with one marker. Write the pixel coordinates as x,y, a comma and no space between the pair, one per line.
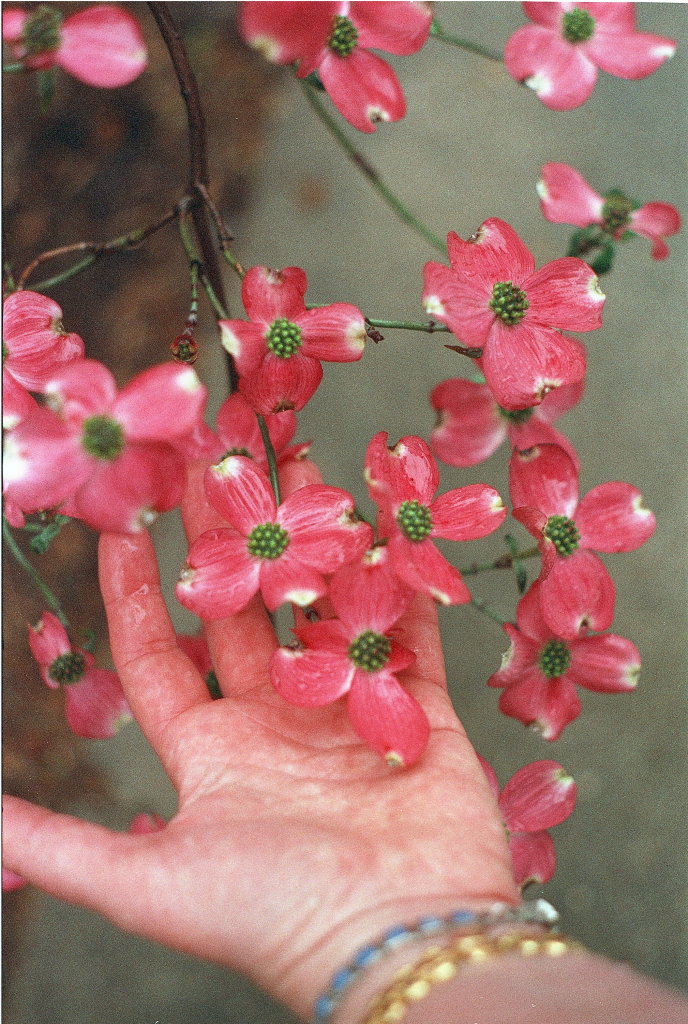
28,568
465,44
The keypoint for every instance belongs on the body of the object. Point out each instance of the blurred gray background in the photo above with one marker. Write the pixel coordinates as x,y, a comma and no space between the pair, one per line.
470,147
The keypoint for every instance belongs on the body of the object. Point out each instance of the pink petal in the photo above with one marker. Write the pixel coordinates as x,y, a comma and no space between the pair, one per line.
421,566
612,517
11,881
280,384
17,403
388,718
326,635
164,402
368,595
469,428
605,664
145,824
102,46
518,660
363,88
288,579
397,27
628,55
310,678
48,640
529,616
566,197
36,343
533,856
547,705
536,432
245,342
336,333
544,478
537,796
458,302
535,522
547,14
269,295
286,32
220,577
562,399
524,362
577,595
490,776
467,513
654,220
610,17
400,657
82,389
237,426
404,472
95,707
494,253
13,19
558,72
241,493
124,496
43,462
323,531
565,294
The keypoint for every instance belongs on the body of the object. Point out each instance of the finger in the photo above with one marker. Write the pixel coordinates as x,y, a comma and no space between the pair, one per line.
74,860
159,680
419,630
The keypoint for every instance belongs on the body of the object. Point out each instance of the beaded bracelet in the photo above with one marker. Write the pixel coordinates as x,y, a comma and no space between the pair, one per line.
414,982
530,912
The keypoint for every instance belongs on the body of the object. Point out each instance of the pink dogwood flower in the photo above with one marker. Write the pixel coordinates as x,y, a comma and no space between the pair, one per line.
104,456
334,40
472,425
35,346
567,198
278,350
540,671
100,45
492,298
577,593
536,798
559,56
284,551
95,705
402,481
356,655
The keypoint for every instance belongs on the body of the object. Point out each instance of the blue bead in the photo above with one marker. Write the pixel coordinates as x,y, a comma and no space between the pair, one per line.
462,917
431,924
365,956
395,936
341,979
323,1008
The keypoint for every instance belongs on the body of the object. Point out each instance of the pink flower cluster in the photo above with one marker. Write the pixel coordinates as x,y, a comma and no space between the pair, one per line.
100,45
334,40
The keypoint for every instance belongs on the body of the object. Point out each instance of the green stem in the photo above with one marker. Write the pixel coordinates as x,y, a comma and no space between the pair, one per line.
45,590
12,67
465,44
481,606
408,325
192,256
272,458
503,562
52,282
392,200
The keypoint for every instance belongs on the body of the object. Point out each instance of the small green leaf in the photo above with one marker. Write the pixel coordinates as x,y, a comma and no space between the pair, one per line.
603,262
42,541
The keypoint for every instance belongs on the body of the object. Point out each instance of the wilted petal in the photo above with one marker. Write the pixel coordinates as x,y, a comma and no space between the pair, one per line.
387,717
653,221
612,517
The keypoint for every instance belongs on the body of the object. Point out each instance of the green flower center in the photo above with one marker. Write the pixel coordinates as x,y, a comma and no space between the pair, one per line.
68,668
102,437
577,25
343,36
267,540
236,451
616,212
563,533
516,415
508,302
284,337
555,658
370,651
414,520
42,30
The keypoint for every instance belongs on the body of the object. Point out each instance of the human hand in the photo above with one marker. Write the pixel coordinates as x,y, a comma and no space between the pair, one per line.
293,843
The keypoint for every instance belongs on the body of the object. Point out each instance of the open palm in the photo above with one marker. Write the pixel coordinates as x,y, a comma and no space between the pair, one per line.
293,842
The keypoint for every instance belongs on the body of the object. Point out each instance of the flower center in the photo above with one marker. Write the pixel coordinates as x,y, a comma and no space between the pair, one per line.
370,651
68,668
414,520
284,337
508,302
102,437
236,451
267,540
42,30
343,36
563,533
577,25
555,658
516,415
616,212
